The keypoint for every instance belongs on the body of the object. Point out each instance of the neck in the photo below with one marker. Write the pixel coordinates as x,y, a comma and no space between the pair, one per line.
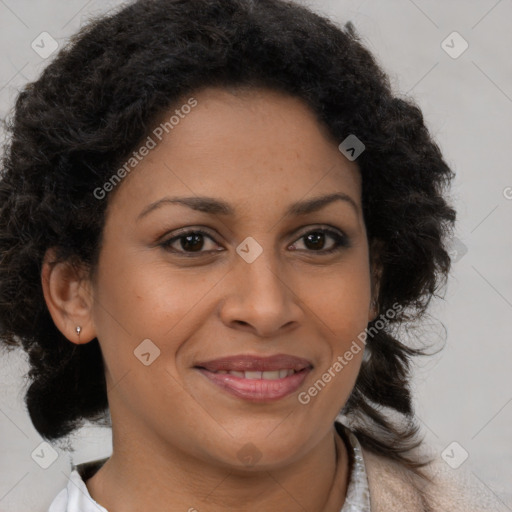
140,477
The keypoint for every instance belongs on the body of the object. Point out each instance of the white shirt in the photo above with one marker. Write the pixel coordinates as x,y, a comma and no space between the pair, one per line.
76,498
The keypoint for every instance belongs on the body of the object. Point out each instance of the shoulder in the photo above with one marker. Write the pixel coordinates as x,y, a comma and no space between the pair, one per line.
395,488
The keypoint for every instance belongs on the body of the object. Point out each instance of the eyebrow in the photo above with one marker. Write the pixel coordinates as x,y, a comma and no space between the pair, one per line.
219,207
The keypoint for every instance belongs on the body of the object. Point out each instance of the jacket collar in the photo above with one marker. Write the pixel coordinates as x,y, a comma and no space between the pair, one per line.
393,487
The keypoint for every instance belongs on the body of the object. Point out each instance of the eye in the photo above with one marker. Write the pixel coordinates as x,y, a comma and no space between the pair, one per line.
188,242
315,241
193,242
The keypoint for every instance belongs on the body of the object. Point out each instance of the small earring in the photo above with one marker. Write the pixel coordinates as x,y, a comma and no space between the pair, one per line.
78,330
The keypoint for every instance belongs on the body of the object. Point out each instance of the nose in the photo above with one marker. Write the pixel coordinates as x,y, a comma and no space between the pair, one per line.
259,297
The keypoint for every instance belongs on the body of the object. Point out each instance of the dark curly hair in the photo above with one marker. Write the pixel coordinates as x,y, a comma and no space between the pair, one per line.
102,95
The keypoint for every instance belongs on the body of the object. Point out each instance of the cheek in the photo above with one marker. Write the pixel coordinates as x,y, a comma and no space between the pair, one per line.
340,301
143,314
340,298
138,301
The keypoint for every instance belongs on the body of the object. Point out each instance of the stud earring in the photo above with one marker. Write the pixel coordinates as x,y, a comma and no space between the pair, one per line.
78,330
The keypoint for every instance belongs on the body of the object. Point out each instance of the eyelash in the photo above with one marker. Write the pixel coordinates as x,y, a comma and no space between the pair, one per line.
341,242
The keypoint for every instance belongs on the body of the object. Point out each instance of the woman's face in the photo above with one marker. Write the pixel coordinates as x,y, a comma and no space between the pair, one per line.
242,267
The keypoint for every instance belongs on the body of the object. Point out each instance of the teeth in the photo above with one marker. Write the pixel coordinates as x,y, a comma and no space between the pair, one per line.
269,375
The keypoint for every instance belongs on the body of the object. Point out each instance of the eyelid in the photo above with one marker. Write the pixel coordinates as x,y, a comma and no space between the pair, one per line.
318,227
182,232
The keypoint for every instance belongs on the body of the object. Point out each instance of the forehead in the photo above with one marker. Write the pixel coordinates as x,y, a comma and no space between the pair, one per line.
251,146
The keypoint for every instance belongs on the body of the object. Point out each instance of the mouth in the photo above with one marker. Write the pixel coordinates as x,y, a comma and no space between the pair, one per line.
258,379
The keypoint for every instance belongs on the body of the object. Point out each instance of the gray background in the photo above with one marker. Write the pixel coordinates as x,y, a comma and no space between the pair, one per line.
463,393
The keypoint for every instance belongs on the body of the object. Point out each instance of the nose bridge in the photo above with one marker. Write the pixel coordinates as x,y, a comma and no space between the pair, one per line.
261,270
259,295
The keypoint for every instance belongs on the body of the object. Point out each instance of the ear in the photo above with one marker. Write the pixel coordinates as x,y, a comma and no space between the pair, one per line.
68,295
376,248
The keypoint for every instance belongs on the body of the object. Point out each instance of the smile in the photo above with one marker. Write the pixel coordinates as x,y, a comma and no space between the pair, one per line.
258,379
273,375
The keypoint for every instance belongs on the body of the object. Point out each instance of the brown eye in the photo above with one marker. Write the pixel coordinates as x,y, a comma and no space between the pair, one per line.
193,242
315,241
188,243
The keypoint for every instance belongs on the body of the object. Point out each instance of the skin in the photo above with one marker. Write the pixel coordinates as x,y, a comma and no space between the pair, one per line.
176,436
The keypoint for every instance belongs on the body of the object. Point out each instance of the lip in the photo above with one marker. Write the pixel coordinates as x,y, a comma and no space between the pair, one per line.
256,390
242,363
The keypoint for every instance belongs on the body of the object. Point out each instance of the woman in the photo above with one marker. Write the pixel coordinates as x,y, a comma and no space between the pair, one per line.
214,214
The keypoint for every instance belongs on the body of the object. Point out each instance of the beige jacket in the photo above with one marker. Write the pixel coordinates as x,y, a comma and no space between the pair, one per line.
395,489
